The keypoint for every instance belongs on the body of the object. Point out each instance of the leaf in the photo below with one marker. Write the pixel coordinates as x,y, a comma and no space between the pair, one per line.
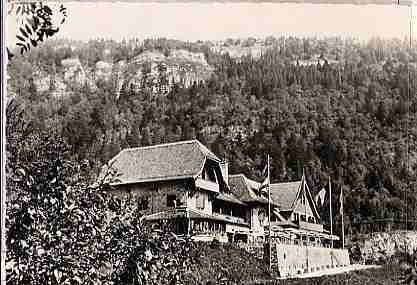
36,21
28,29
23,32
47,10
63,10
34,43
21,38
24,9
10,55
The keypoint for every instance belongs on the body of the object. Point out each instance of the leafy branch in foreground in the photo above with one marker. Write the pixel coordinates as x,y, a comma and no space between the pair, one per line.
35,23
62,230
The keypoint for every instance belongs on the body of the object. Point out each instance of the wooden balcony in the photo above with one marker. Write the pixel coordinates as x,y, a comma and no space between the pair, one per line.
231,219
207,185
310,226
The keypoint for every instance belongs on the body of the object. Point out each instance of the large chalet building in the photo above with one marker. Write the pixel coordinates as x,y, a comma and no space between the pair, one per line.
186,187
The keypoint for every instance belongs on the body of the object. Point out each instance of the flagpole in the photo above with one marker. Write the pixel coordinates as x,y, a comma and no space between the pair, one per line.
331,214
269,215
343,224
305,213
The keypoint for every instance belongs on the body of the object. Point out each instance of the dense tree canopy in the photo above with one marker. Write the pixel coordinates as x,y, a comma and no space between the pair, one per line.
332,107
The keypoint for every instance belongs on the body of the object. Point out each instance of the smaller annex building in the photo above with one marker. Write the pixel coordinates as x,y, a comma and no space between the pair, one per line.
298,220
185,187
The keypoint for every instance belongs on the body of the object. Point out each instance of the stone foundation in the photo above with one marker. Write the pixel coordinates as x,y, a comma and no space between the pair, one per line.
290,260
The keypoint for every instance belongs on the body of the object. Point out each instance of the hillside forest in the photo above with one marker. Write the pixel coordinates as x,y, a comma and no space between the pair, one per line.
329,107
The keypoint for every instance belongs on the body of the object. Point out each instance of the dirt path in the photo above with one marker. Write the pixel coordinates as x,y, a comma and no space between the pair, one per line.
339,270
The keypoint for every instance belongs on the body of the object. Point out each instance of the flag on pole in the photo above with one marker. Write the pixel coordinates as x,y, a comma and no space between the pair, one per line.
265,171
263,189
321,195
341,201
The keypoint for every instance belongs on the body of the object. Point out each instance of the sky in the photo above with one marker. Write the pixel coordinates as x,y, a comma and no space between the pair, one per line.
217,21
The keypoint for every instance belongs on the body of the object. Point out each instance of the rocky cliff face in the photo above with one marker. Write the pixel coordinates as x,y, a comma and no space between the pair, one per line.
150,70
158,72
383,246
237,51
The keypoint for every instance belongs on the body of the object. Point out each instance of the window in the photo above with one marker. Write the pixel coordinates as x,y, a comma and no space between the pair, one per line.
143,203
200,201
171,200
296,217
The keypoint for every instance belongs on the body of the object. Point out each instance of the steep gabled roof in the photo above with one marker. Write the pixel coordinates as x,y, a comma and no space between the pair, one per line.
286,194
244,189
177,160
313,202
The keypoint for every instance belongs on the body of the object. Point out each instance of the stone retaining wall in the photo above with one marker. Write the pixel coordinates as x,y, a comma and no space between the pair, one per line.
382,246
291,260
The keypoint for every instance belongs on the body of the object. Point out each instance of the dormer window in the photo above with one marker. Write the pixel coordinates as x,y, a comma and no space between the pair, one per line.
209,174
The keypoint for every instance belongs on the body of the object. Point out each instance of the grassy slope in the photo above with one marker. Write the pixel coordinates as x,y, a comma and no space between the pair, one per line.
212,265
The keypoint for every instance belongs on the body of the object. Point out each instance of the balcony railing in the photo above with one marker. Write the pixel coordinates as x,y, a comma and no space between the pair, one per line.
310,226
232,219
207,185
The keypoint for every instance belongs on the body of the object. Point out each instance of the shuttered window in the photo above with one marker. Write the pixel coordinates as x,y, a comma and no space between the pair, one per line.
200,203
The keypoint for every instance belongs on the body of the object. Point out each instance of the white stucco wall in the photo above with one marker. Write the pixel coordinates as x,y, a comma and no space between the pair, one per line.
192,201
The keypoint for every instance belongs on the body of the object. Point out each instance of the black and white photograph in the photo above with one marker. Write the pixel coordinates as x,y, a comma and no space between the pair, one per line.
153,143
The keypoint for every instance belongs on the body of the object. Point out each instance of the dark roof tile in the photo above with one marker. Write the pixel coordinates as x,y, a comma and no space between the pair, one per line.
183,159
285,194
244,189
